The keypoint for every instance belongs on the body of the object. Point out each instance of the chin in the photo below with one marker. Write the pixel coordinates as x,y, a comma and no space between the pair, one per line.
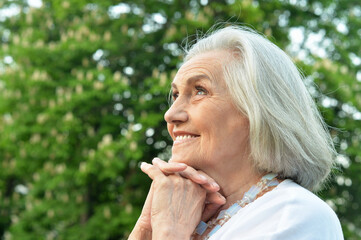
178,159
189,160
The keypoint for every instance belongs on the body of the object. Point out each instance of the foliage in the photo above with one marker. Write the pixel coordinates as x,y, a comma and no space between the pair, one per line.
83,90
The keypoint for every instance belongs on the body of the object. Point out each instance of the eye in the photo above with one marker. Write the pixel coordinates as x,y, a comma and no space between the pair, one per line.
175,95
201,91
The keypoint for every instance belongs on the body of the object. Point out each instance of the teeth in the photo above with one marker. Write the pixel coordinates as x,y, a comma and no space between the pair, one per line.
184,137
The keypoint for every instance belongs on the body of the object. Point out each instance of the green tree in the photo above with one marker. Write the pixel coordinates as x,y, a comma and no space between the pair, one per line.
84,86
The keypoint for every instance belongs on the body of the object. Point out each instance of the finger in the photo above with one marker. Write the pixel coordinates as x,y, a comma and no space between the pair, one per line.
201,178
187,172
167,167
209,211
211,182
152,171
193,175
148,200
215,198
148,203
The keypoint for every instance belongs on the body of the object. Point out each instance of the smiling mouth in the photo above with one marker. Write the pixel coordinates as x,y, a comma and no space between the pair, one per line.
185,138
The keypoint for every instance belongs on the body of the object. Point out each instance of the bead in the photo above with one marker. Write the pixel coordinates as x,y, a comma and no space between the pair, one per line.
245,200
252,192
221,214
233,209
272,183
269,176
201,228
222,221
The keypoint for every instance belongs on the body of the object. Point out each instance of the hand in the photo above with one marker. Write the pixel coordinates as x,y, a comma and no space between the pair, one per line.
144,221
214,200
177,204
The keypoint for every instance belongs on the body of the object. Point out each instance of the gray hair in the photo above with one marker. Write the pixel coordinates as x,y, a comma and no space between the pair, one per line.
287,133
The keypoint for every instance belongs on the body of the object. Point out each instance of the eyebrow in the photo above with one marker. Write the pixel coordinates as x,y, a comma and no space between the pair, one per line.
193,79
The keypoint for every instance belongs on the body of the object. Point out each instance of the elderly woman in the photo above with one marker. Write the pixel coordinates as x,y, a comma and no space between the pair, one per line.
249,147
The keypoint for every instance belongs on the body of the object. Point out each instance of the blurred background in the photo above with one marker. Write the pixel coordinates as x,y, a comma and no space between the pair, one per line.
84,86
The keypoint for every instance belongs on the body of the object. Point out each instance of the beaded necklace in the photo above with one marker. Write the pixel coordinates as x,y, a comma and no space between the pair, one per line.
266,182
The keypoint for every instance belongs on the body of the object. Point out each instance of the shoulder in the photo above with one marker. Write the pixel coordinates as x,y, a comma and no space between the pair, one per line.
298,206
291,196
287,212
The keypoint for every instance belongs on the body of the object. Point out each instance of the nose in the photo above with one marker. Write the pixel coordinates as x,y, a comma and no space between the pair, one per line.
177,113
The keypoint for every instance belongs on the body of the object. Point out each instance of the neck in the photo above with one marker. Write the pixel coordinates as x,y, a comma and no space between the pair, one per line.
233,186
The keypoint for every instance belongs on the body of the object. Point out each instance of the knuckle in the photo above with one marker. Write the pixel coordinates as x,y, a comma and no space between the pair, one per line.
188,182
175,179
163,182
184,174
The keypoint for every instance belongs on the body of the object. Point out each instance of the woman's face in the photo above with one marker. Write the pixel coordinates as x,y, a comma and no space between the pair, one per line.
207,129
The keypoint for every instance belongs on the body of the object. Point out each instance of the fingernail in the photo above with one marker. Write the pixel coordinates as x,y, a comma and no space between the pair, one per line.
177,164
202,177
182,164
215,185
144,165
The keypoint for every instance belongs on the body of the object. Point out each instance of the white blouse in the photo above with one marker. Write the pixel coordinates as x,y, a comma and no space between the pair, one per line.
288,212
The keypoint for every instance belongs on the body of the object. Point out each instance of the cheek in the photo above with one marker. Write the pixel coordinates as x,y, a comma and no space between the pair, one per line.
239,137
232,131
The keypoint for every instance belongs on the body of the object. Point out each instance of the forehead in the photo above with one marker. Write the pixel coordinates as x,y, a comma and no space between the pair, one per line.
207,64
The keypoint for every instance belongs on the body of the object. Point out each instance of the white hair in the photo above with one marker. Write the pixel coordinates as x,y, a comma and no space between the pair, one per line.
287,133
